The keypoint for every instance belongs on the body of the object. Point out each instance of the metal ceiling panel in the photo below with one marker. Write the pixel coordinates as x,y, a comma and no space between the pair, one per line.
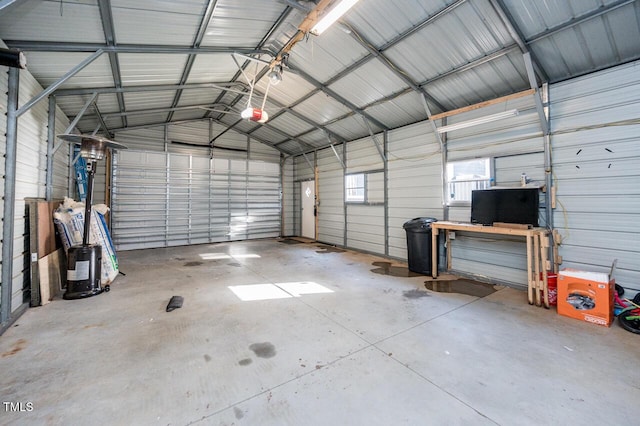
585,36
351,127
191,114
314,139
535,17
199,97
71,105
244,23
368,83
290,147
325,56
291,88
402,110
269,134
140,120
452,41
147,100
212,67
321,108
290,124
153,68
384,20
77,21
157,21
50,66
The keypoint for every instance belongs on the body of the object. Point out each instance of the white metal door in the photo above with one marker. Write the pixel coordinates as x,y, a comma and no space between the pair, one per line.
308,197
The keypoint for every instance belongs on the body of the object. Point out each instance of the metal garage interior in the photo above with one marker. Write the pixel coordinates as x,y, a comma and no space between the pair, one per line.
298,306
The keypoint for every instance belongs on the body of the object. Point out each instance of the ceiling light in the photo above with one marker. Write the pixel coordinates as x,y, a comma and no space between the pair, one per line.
255,114
275,75
477,121
332,16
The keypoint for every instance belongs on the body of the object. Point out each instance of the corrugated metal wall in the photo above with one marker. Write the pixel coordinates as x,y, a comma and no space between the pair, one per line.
31,166
516,144
288,210
190,194
596,157
331,198
364,222
4,87
415,173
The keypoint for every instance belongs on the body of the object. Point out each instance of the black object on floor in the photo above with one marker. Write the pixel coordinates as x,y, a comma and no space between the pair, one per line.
175,303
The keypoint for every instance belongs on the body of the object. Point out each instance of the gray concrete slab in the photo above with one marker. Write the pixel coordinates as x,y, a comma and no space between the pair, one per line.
376,349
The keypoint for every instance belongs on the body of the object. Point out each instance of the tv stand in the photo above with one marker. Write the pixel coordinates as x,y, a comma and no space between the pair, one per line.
537,242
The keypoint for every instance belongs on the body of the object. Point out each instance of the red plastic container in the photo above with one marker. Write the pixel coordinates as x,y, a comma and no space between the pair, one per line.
552,285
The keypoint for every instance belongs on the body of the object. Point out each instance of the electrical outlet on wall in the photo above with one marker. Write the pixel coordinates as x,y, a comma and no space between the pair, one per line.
452,235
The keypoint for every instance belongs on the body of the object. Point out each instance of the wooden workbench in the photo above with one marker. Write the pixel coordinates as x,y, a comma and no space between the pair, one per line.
537,242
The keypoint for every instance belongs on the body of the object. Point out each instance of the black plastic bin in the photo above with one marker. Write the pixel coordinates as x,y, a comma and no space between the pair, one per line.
419,244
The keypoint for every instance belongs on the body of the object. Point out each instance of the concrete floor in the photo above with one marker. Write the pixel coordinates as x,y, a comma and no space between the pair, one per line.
378,349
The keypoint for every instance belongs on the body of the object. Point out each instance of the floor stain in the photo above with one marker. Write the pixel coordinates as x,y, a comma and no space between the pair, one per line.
324,249
263,350
385,268
17,347
468,287
245,362
179,258
415,294
289,241
207,358
196,263
93,326
236,264
238,412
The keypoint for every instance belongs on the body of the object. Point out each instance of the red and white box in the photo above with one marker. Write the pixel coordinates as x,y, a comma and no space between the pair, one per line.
587,296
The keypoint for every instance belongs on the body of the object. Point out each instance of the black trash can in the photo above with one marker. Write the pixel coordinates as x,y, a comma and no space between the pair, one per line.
419,244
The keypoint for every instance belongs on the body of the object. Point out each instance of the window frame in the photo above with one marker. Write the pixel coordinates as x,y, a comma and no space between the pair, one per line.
490,180
365,201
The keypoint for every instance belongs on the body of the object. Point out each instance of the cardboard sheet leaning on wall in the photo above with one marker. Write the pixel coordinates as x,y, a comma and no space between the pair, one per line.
69,219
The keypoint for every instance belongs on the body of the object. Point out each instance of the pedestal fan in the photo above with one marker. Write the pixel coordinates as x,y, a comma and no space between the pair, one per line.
84,261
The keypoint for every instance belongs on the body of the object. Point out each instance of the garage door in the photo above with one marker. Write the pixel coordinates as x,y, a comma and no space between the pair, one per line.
167,199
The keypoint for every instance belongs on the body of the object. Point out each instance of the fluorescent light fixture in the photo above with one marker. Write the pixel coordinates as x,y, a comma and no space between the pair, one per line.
332,16
477,121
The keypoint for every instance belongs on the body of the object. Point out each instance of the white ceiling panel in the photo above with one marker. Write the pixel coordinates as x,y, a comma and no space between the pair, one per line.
148,100
368,83
321,109
151,68
50,66
160,22
242,24
214,67
53,21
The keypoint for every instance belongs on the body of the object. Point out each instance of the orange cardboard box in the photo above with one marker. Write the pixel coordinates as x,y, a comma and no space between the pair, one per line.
587,296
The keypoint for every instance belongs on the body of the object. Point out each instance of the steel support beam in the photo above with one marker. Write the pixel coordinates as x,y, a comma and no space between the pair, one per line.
544,122
52,88
9,203
75,121
54,46
153,88
51,139
516,34
202,28
375,140
110,37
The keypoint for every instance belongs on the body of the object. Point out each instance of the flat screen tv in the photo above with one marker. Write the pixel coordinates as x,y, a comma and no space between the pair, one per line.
509,205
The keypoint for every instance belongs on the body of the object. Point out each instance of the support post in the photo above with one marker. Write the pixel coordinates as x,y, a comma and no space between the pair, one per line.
9,196
51,139
385,144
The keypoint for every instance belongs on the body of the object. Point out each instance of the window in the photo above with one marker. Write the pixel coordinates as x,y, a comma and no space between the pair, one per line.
465,176
364,188
354,188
